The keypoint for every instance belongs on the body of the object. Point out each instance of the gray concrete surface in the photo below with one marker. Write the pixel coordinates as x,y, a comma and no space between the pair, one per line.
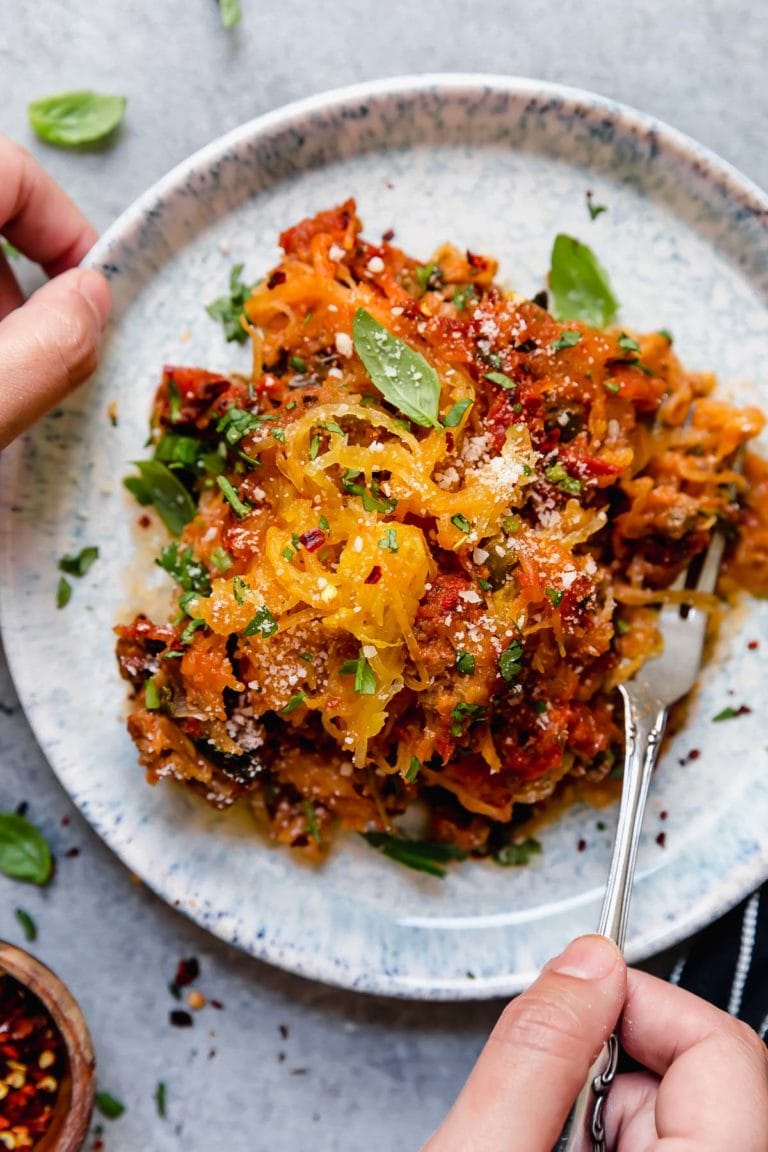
288,1065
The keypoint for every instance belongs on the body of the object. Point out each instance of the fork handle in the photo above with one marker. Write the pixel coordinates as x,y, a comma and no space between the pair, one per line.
644,722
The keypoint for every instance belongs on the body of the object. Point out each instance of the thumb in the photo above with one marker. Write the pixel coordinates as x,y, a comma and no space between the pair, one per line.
538,1055
50,345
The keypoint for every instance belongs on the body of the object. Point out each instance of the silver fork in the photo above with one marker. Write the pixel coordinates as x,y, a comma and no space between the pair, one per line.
647,698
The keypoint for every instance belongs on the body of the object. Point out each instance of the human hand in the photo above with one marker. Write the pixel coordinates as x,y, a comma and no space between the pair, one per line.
49,344
706,1088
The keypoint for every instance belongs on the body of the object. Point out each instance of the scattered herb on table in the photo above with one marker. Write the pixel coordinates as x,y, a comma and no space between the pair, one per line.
24,854
63,592
28,925
108,1105
516,855
729,713
231,12
69,119
594,210
80,564
160,1099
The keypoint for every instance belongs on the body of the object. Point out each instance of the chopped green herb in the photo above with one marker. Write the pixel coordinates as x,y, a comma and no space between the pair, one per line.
28,926
389,540
79,565
323,523
667,335
262,623
464,296
579,285
174,402
453,416
70,119
401,374
185,569
231,12
511,525
416,854
594,209
237,423
294,703
511,662
310,815
485,585
230,310
240,590
427,276
279,435
221,559
291,405
314,447
600,825
462,712
298,363
628,344
192,627
517,855
540,706
568,339
181,450
611,386
461,523
502,380
287,554
554,596
365,677
465,663
622,626
160,1095
151,695
413,769
239,507
24,854
108,1105
556,474
727,714
63,592
157,485
332,426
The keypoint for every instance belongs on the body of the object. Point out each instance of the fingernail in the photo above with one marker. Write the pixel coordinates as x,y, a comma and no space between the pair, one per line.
588,958
95,290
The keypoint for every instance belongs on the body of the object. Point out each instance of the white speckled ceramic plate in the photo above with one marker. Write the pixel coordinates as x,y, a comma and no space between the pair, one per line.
497,165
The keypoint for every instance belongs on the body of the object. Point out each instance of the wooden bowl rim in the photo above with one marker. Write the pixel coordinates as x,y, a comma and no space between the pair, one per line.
70,1127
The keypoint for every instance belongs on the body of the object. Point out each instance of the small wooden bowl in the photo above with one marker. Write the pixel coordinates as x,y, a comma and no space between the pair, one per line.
74,1102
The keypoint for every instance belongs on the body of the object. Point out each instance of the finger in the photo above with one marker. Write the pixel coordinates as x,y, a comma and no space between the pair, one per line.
48,346
714,1091
37,216
630,1111
538,1055
10,293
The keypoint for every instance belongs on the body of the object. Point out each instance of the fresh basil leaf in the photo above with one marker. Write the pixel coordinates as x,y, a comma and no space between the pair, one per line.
516,855
579,284
453,416
157,485
465,663
231,12
108,1105
24,854
402,375
72,118
79,565
416,854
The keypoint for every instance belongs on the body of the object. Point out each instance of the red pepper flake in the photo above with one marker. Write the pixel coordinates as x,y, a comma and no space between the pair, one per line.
374,575
313,539
276,277
476,261
581,846
663,815
449,441
64,821
753,645
180,1019
187,971
71,853
217,1004
388,236
32,1064
144,521
661,839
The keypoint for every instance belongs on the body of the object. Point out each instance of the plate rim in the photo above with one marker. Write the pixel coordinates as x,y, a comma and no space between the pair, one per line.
738,188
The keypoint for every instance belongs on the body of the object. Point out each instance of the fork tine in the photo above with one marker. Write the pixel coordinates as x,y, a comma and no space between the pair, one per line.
708,575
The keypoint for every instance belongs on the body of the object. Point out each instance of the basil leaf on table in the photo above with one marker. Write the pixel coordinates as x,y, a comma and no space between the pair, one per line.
579,284
24,854
72,118
416,854
157,485
402,375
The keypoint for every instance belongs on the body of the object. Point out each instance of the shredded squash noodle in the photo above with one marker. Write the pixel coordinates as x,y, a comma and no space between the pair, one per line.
419,546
